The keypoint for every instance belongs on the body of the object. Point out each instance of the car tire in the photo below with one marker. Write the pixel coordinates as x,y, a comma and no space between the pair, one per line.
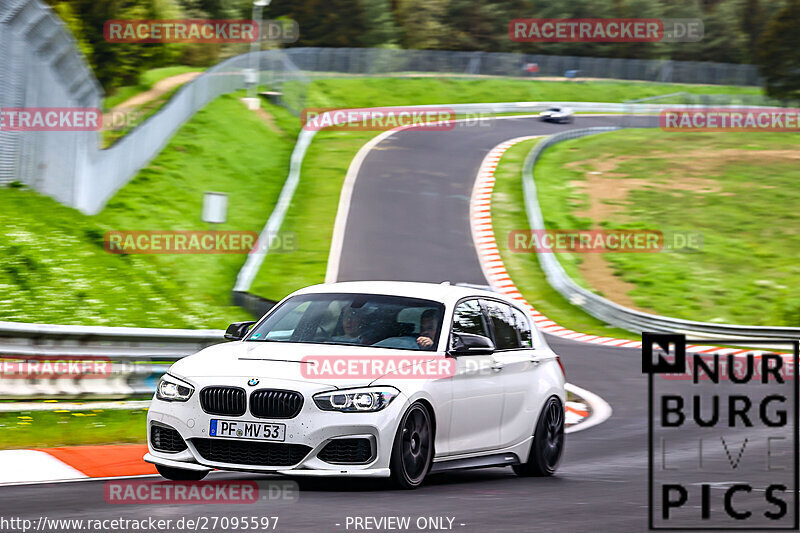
548,442
181,474
412,452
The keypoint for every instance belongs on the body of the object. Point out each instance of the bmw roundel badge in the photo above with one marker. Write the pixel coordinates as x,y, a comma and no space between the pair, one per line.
253,382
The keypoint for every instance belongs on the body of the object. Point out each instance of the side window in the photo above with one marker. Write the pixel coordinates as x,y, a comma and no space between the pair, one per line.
504,323
523,328
468,318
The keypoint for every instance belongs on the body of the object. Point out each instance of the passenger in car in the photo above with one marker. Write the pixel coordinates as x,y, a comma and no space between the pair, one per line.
427,329
410,341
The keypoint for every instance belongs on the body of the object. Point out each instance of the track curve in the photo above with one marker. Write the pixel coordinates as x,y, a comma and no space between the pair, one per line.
409,220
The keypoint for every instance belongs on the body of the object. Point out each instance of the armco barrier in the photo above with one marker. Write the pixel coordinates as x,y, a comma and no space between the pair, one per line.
138,357
140,354
604,309
249,270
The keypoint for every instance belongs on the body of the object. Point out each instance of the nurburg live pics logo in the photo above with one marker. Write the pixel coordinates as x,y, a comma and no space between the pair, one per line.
722,434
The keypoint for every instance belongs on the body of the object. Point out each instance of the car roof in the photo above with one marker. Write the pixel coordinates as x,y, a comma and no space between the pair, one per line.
441,292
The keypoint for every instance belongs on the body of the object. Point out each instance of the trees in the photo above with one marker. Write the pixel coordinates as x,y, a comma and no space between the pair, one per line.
422,24
381,29
778,56
753,18
736,31
338,23
723,41
476,26
116,64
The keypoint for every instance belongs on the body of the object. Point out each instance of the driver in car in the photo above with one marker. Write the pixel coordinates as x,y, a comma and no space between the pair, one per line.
352,326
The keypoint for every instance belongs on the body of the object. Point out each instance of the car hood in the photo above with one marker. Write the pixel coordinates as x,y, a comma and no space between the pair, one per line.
277,361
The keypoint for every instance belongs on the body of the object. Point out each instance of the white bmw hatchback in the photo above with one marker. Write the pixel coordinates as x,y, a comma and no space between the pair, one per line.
382,379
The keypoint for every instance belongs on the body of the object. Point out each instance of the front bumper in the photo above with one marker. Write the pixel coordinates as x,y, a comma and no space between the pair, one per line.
312,428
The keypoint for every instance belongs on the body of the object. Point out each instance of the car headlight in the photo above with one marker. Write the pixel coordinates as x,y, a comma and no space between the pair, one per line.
356,400
171,389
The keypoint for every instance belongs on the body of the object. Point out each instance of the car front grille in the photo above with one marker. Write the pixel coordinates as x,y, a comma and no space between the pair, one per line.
250,453
266,403
226,401
166,439
347,451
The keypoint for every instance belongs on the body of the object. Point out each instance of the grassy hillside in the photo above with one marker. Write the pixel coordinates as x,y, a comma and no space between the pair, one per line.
737,190
354,92
56,270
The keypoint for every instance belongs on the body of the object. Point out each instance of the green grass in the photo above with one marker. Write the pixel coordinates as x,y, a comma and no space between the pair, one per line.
146,82
46,429
727,186
55,269
118,130
313,208
366,92
311,215
508,214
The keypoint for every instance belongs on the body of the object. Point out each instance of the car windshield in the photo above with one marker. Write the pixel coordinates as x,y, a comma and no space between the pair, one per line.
354,320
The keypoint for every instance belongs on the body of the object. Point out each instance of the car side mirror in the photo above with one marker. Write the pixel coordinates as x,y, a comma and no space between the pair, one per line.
470,344
237,330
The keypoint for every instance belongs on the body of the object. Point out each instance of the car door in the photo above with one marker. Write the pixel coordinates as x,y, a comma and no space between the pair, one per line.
518,363
477,404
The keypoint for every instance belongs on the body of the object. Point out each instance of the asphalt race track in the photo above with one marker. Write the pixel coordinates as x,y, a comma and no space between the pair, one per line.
409,221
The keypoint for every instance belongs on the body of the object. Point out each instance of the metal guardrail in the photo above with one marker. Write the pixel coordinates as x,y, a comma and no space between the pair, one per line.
604,309
139,355
133,359
249,270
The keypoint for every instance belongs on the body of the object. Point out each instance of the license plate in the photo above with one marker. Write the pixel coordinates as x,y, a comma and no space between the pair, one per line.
247,430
